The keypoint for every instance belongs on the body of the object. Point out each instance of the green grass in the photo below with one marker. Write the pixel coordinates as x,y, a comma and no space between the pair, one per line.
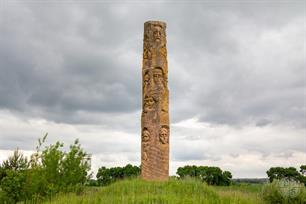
136,191
242,193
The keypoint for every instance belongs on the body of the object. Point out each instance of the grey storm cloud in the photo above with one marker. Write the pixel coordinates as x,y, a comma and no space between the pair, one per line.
236,79
66,58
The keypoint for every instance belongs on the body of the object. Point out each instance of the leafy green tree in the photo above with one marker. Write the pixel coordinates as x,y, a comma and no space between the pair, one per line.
106,176
226,178
191,171
303,170
36,186
45,174
2,173
13,178
210,175
130,171
92,182
213,175
51,161
16,162
279,173
303,174
12,185
75,166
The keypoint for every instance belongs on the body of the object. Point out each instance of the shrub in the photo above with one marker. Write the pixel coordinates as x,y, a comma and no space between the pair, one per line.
282,173
106,176
75,166
210,175
284,192
16,162
13,177
289,173
47,173
12,186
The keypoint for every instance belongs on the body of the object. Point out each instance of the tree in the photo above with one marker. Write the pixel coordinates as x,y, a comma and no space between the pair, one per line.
106,176
51,163
16,162
13,186
226,178
191,171
210,175
48,172
279,173
303,174
303,170
130,171
75,166
13,178
2,173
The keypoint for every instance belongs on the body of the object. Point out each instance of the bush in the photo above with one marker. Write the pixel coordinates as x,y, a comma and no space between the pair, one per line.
289,173
13,177
45,174
210,175
75,166
92,182
283,173
284,192
106,176
12,186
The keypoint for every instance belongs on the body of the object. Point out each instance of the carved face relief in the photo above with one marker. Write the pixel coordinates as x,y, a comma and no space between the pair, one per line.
148,103
145,139
157,33
145,135
158,77
164,135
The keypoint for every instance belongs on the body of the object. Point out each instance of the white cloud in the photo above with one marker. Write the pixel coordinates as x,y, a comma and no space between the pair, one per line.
245,151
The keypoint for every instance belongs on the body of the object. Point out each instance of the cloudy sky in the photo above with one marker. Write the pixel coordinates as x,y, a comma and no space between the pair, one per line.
236,79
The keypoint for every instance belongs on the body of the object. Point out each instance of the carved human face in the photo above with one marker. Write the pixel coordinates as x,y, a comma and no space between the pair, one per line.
145,135
148,103
158,77
163,135
157,33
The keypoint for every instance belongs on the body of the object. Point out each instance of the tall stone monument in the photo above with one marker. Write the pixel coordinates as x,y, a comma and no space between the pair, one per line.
155,100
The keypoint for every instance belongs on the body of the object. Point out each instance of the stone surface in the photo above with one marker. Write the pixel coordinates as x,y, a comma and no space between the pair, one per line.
155,99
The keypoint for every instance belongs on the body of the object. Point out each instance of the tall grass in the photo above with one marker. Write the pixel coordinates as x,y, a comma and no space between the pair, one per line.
284,192
241,193
136,191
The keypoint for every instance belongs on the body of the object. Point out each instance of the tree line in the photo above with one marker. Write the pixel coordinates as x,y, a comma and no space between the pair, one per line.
210,175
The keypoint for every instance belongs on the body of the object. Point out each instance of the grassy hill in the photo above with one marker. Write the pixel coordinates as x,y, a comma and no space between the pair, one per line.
173,191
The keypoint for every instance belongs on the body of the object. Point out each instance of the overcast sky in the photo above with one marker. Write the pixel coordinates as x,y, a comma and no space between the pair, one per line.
236,80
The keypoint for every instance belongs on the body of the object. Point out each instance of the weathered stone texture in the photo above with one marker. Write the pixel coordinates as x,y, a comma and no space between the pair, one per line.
155,96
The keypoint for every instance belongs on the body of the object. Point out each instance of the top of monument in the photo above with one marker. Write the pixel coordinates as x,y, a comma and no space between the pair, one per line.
156,23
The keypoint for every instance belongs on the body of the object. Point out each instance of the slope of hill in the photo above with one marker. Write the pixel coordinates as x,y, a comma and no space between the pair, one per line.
173,191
